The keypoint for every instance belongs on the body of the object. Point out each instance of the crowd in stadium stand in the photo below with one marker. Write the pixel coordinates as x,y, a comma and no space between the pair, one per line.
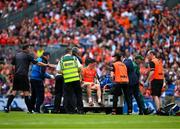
8,7
101,28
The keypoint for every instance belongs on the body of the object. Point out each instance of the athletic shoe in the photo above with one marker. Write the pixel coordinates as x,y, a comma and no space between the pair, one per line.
6,110
148,111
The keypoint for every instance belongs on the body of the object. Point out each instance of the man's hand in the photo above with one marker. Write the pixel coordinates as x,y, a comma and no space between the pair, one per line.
146,84
51,65
164,86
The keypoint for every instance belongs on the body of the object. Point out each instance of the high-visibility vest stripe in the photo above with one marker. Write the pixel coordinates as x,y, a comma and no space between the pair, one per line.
69,64
72,79
70,75
70,70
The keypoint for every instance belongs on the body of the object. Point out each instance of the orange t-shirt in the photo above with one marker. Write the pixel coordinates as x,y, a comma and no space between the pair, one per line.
89,74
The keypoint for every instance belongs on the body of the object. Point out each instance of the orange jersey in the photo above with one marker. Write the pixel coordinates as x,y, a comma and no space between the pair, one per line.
120,73
158,71
89,74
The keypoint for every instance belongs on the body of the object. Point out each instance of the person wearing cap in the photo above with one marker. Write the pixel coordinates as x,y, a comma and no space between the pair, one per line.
70,67
22,61
90,81
121,82
38,74
76,53
136,63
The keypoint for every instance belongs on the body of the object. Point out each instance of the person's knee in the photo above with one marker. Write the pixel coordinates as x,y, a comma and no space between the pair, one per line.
98,87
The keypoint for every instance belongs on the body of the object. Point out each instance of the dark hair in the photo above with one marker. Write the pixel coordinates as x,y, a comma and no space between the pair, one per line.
151,52
68,50
119,55
25,46
89,61
46,53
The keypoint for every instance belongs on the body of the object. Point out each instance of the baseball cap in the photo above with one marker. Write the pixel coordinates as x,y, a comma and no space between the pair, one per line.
75,50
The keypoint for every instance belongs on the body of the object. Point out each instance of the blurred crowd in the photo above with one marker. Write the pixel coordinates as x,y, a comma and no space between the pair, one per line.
8,7
101,28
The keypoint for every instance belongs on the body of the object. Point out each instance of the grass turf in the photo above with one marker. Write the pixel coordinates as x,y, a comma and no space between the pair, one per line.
22,120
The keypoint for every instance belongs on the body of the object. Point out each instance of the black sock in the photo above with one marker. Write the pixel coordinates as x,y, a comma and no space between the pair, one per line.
28,103
10,99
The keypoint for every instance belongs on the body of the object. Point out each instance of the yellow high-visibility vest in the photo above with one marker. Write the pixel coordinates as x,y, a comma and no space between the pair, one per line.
70,69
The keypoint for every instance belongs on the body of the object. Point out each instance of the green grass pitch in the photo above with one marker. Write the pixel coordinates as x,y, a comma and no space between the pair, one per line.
22,120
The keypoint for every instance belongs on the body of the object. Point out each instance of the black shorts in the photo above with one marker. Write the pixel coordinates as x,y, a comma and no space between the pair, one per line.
156,87
117,89
21,83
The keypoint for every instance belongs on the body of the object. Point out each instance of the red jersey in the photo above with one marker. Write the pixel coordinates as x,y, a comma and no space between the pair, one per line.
89,74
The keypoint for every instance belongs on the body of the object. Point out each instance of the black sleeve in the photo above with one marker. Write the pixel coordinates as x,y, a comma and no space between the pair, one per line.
31,59
80,60
152,65
127,65
13,61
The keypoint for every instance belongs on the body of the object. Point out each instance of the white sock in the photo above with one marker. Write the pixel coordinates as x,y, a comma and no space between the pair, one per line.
90,99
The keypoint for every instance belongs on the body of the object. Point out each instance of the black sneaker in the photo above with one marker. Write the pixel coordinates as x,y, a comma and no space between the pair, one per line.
80,112
148,111
30,112
141,113
6,110
163,112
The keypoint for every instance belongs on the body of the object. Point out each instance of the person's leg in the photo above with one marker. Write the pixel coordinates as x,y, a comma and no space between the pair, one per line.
40,95
146,111
33,94
65,100
16,86
27,100
156,93
127,96
157,102
136,94
78,94
89,90
142,101
10,99
98,92
116,93
58,92
69,103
